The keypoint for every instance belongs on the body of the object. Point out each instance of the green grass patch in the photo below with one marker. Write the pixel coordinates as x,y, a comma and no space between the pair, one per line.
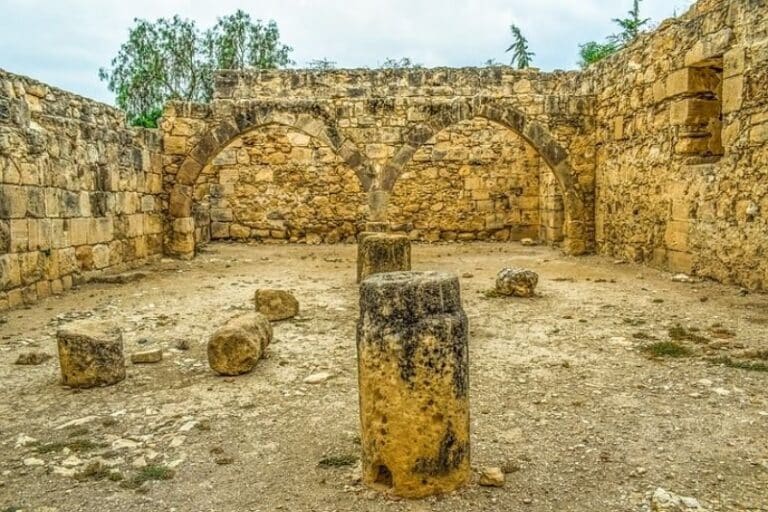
75,445
154,472
751,366
680,333
667,349
337,461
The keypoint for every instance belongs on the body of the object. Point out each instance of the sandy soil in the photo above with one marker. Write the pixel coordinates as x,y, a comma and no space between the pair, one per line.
564,393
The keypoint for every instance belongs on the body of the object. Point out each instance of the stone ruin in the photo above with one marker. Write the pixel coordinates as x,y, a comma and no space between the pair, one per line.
655,155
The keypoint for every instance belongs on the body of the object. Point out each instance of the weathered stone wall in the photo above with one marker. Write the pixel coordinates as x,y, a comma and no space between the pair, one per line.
472,181
376,122
279,184
79,191
682,138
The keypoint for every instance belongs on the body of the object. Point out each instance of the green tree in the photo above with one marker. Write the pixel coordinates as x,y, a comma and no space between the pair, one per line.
593,51
237,42
170,59
402,63
521,56
631,26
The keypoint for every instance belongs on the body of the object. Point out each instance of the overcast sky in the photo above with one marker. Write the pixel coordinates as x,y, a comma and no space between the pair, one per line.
64,42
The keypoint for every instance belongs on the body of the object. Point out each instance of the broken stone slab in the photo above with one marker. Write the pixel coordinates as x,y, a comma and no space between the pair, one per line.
276,304
683,278
147,356
32,358
665,501
516,282
237,346
318,378
528,242
412,346
492,477
382,252
91,354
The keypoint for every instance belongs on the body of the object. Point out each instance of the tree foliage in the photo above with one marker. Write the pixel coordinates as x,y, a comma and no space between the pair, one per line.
170,59
402,63
593,51
521,55
631,27
322,64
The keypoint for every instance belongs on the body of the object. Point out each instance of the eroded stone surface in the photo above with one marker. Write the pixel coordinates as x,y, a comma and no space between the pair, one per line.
382,252
276,304
665,501
91,354
517,282
412,339
237,346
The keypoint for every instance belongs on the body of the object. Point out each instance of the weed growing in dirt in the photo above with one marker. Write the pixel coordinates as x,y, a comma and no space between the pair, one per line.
667,349
680,333
741,365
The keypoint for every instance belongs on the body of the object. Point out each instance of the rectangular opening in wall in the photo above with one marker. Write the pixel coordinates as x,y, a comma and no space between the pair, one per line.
696,111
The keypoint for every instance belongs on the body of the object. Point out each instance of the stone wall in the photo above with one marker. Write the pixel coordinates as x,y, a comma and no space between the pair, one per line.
376,122
472,181
79,191
279,184
682,145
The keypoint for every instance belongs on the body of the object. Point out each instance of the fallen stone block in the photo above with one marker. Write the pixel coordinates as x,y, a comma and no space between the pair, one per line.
91,354
492,477
237,346
276,304
147,356
125,277
516,282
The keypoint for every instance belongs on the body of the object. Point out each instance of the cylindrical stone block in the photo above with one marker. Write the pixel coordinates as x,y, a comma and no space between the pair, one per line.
382,252
376,227
412,350
91,354
238,345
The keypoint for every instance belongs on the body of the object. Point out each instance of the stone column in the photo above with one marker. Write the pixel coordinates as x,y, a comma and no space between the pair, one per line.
382,252
412,350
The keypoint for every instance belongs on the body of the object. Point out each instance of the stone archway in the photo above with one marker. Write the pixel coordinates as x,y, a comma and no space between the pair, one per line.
247,117
445,115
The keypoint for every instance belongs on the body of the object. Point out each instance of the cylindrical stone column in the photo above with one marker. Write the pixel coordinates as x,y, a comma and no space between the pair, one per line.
382,252
412,351
91,354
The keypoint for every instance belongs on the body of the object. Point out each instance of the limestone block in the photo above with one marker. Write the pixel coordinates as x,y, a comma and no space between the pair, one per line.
237,346
19,235
412,346
10,271
276,304
709,50
693,111
91,354
517,282
692,80
733,93
380,252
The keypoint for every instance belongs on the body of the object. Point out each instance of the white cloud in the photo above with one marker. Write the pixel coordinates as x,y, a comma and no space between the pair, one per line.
65,42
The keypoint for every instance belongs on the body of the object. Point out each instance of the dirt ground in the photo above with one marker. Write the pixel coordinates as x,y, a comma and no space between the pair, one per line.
567,394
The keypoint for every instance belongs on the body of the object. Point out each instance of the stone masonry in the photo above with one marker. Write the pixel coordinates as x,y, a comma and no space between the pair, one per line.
79,191
657,155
